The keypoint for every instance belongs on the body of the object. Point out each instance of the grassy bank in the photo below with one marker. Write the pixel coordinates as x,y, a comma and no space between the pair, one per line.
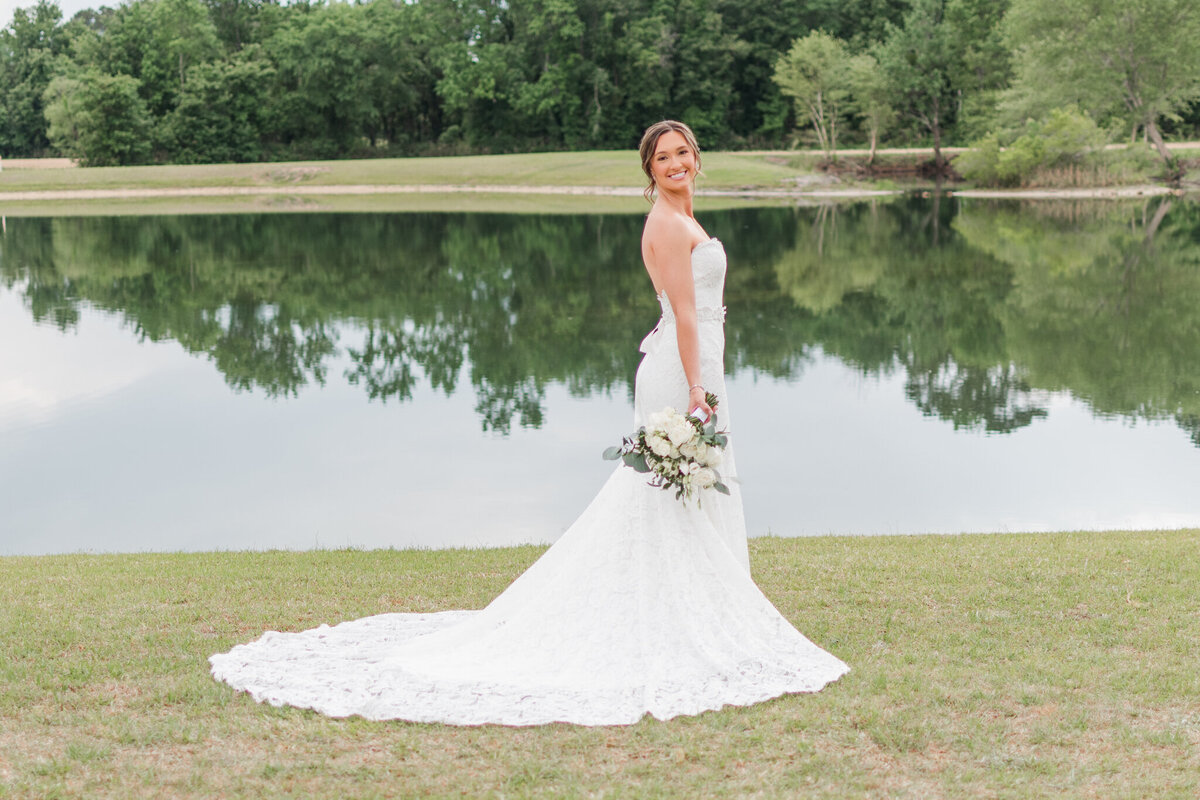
1044,665
602,168
426,202
602,182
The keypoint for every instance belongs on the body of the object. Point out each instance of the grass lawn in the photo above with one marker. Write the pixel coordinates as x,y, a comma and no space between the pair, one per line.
1014,665
606,168
424,202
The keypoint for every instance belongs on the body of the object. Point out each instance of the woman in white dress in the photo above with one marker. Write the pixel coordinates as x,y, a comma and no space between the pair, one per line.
644,606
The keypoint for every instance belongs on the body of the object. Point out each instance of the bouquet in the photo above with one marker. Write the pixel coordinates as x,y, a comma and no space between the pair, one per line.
679,451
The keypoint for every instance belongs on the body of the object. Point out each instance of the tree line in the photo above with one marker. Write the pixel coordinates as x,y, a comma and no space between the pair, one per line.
202,81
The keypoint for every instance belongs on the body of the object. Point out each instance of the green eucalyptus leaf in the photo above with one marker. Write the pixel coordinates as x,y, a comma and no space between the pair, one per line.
637,461
612,453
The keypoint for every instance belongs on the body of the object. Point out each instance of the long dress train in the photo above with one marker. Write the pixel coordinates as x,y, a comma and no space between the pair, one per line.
644,605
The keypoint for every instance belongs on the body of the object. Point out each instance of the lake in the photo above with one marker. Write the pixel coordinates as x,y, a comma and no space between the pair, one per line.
441,380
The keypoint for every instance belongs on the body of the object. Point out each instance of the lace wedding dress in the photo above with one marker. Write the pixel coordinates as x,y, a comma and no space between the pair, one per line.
645,605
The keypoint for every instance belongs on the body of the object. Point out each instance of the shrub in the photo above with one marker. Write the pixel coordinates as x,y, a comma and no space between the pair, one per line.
1067,139
979,163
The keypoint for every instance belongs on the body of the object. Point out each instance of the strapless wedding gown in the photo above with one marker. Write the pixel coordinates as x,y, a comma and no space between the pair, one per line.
644,606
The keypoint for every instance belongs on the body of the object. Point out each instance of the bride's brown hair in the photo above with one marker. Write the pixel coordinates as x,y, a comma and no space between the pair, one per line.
650,142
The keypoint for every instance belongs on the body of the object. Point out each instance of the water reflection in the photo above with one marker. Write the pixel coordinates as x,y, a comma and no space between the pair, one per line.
983,307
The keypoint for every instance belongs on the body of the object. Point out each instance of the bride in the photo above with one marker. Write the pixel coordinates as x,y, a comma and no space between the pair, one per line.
644,606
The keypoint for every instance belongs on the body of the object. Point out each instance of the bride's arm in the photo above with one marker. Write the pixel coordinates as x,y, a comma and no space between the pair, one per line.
672,246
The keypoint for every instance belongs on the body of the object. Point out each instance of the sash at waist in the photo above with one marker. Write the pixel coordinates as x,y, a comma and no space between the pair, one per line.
705,314
655,338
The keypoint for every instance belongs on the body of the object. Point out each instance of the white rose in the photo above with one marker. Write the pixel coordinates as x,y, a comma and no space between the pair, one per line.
713,457
705,478
680,432
659,446
658,420
690,450
694,468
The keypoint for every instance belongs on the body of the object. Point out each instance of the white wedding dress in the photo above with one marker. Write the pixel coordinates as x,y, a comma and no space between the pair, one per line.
644,606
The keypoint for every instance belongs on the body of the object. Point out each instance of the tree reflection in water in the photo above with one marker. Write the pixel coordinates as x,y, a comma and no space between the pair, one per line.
986,307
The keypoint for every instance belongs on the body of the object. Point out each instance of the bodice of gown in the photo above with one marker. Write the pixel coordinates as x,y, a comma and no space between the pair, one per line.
708,276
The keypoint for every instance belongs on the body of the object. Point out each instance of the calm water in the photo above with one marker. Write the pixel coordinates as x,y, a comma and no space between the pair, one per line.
253,381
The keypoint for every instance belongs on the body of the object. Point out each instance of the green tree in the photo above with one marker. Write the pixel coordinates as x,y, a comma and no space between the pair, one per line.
766,29
870,98
985,63
183,34
28,50
815,71
1135,61
237,22
323,106
920,61
221,116
100,119
62,113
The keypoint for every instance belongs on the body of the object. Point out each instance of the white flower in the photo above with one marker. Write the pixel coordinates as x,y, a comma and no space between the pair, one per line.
658,420
705,478
694,468
659,446
680,431
691,450
712,458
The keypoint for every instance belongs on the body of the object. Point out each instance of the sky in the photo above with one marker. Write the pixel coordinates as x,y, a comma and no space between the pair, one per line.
69,7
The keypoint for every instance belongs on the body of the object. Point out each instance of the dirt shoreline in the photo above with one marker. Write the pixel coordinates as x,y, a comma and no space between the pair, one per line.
366,189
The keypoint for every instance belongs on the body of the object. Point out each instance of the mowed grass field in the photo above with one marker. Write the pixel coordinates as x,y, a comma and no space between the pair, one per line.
601,168
997,666
415,202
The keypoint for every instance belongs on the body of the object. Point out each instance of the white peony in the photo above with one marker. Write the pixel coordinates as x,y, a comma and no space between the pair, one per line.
659,446
705,478
658,420
690,449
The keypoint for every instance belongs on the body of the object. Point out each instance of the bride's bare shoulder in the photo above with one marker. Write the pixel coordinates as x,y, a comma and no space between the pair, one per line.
664,233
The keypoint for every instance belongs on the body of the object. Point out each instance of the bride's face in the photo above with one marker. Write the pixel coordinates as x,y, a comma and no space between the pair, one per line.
674,162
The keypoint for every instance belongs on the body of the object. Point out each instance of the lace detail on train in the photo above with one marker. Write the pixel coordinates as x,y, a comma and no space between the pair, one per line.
644,606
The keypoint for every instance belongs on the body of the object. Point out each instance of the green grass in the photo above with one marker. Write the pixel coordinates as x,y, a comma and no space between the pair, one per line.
482,202
609,168
1008,666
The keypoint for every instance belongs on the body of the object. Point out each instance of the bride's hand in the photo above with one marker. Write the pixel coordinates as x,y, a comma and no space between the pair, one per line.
696,403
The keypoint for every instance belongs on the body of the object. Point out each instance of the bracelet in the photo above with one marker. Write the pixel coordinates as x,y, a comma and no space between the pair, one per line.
695,386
